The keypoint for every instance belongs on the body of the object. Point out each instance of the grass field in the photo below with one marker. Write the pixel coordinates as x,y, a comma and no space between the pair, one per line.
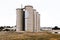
28,36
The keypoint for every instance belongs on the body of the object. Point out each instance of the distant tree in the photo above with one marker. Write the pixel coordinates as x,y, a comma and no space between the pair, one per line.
8,26
1,28
7,30
15,29
4,26
56,26
15,25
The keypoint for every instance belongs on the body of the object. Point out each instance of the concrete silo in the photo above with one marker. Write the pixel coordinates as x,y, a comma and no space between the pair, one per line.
38,22
29,19
35,21
19,20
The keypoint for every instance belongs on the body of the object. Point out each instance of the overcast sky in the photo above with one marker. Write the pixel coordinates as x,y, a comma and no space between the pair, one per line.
48,9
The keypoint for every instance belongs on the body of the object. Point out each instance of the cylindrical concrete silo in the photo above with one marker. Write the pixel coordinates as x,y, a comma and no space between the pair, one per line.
29,19
19,20
35,23
38,22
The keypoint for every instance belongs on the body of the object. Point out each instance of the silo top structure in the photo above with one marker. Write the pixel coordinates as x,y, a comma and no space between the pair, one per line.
28,6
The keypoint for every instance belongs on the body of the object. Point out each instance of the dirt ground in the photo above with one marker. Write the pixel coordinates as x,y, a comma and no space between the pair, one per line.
28,36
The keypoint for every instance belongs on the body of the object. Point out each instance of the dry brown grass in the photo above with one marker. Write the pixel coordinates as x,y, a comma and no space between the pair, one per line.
28,36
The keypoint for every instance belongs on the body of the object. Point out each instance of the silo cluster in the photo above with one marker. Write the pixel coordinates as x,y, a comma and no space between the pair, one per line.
27,19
